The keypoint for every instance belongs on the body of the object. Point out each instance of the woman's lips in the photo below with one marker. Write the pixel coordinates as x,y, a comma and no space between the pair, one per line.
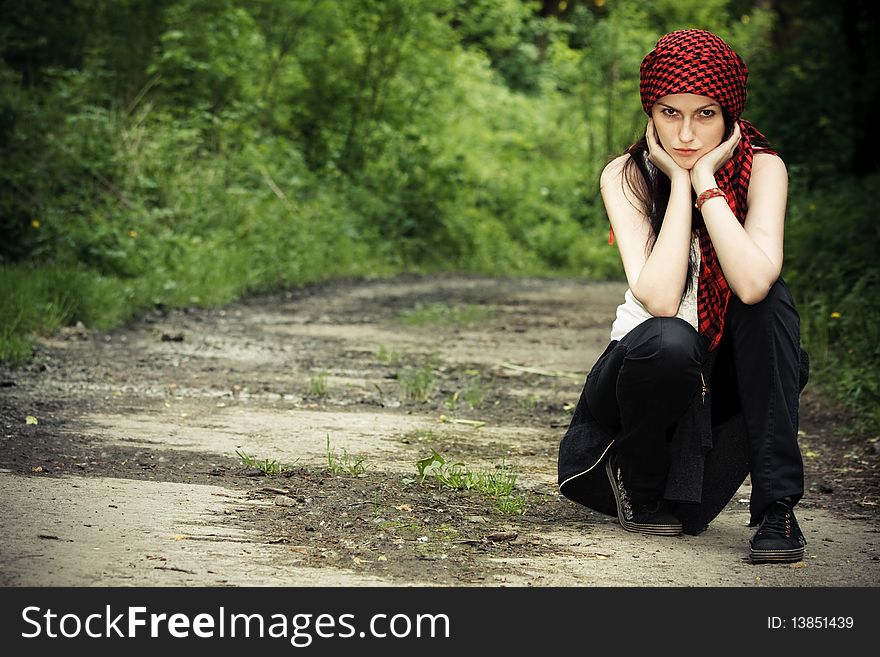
685,151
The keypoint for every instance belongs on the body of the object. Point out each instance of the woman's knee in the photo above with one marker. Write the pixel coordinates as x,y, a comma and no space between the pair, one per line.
661,335
669,343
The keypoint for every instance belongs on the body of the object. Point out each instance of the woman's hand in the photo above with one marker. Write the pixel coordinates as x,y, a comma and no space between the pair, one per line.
709,163
660,157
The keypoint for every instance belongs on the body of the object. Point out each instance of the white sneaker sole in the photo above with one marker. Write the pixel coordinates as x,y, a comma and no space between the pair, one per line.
777,556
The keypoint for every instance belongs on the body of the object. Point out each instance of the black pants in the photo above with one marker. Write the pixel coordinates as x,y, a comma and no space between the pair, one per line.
643,384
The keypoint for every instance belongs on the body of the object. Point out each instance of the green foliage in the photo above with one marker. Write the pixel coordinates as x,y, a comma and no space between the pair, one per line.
511,35
345,464
318,384
417,384
498,484
473,391
528,404
389,356
211,54
820,91
38,300
270,468
837,295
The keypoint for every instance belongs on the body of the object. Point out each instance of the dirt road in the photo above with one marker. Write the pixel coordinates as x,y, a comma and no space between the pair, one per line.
122,460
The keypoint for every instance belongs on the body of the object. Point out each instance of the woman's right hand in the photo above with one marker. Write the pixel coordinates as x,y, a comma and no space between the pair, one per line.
660,157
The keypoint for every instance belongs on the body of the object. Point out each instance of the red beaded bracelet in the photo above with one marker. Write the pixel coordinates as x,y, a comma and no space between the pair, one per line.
709,193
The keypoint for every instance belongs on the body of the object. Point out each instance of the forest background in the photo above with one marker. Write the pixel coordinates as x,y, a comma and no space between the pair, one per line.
186,152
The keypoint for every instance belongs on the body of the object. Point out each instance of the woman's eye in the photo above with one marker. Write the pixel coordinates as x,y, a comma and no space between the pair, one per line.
668,111
707,113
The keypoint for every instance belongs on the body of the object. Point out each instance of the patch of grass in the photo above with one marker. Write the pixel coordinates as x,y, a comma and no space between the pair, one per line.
37,301
511,505
476,389
473,392
441,313
318,384
346,464
389,356
528,404
270,468
418,384
499,484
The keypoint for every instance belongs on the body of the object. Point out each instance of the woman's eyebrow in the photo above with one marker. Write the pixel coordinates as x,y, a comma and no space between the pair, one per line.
706,106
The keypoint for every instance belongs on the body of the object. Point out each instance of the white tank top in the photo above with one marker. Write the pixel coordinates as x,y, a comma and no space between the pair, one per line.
631,312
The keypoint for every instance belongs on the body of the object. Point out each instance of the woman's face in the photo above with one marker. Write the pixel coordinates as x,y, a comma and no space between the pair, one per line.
688,126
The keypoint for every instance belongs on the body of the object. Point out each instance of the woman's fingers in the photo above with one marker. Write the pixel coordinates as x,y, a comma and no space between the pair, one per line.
658,156
735,137
655,150
721,154
734,140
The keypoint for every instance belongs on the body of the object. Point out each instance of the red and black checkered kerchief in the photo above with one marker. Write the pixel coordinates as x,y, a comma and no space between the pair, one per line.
699,62
694,62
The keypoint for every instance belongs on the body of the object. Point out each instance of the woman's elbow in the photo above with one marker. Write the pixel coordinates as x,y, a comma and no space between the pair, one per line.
661,308
658,302
752,294
752,285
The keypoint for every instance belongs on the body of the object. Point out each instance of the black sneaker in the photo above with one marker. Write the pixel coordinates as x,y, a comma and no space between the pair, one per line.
654,519
779,538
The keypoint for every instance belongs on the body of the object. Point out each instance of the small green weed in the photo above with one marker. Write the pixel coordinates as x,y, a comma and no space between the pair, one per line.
528,404
418,385
473,392
389,356
318,384
476,389
499,484
511,505
270,468
346,464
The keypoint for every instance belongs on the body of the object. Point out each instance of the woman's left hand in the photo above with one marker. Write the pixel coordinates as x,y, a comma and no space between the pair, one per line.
709,163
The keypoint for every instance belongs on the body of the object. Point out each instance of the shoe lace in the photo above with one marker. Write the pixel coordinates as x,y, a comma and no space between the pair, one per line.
777,522
625,502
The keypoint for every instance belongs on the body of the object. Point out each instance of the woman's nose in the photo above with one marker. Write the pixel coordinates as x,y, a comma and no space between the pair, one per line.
686,132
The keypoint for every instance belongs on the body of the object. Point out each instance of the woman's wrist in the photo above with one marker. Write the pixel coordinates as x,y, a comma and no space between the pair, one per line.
702,180
712,192
681,180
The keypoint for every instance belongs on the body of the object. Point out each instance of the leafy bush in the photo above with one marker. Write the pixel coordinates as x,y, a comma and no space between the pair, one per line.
832,244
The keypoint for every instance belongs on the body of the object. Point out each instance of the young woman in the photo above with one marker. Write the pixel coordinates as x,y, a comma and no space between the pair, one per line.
699,385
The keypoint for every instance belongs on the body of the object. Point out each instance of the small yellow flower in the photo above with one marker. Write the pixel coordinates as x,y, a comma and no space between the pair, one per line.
132,233
35,223
835,315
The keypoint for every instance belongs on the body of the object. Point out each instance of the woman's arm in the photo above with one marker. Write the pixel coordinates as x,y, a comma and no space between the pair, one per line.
657,279
750,255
